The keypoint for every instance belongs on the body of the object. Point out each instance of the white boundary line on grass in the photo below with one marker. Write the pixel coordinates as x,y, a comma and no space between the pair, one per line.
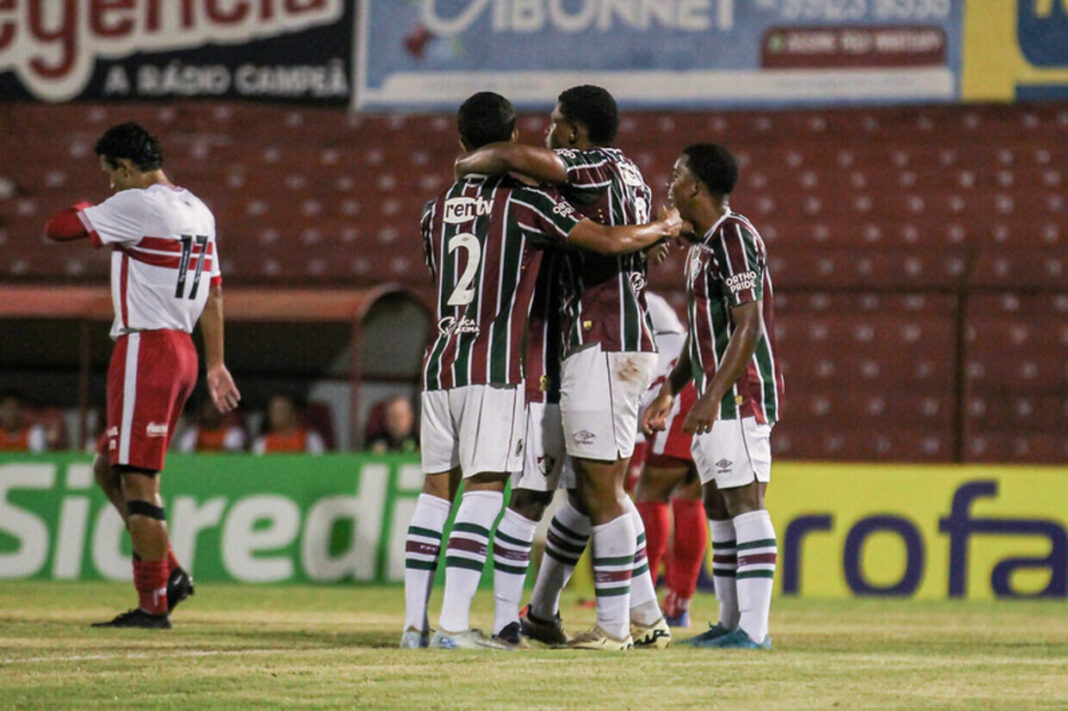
151,655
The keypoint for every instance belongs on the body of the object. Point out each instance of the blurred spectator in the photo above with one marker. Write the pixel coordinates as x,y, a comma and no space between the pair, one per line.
212,432
286,431
398,434
17,432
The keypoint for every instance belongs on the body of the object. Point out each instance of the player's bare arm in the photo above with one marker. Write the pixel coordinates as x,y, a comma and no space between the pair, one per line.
655,416
624,239
749,324
224,392
536,162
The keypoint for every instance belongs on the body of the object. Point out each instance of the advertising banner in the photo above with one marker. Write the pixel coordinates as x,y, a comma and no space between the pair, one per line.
103,50
1016,50
432,54
925,532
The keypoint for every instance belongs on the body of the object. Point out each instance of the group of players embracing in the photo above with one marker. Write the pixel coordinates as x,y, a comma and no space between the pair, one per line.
544,351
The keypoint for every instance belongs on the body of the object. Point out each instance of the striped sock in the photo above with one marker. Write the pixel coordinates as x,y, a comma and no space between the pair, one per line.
422,546
757,554
466,555
644,608
569,531
511,558
724,567
613,564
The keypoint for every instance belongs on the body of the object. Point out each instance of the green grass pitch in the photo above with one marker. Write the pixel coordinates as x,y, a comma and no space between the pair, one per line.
335,647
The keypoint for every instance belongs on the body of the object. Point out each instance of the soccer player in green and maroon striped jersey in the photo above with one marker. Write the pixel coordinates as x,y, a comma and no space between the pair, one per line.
483,239
609,359
730,354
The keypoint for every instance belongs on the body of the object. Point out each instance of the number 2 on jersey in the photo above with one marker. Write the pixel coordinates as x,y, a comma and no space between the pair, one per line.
183,264
462,293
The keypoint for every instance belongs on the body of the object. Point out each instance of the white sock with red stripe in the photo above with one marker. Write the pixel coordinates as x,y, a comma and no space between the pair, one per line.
422,546
465,556
644,608
569,531
757,554
511,558
613,564
724,568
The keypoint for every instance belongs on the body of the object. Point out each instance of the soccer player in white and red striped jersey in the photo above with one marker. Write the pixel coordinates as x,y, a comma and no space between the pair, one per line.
609,357
483,239
730,356
164,277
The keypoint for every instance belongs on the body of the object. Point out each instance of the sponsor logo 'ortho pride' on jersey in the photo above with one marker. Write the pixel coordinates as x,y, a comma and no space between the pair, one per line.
482,240
726,269
164,257
604,297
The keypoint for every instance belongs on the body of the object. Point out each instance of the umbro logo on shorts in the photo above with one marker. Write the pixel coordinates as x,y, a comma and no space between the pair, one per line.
584,437
723,466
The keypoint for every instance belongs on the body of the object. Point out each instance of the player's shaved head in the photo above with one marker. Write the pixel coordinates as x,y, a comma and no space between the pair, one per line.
714,166
129,140
484,118
593,107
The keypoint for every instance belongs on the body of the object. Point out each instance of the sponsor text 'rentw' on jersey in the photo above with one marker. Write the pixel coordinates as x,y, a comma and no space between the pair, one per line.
164,256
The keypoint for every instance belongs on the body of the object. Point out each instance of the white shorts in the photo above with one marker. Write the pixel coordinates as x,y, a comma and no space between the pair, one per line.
479,427
544,458
599,398
734,453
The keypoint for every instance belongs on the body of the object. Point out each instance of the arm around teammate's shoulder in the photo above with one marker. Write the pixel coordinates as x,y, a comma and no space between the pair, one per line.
624,239
536,162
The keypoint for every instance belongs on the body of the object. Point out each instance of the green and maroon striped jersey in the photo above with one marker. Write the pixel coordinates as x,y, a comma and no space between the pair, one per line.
724,269
482,240
604,297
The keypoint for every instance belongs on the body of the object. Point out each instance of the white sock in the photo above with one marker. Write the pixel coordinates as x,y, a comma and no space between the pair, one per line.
422,546
724,568
613,564
511,558
465,556
569,531
757,554
644,608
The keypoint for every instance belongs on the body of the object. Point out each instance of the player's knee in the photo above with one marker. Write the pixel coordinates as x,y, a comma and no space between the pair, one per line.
106,477
530,504
741,499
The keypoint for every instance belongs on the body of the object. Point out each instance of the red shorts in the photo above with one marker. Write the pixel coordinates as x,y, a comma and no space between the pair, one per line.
672,446
152,374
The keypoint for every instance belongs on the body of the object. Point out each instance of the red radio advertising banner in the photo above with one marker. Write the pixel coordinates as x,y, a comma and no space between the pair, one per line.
274,50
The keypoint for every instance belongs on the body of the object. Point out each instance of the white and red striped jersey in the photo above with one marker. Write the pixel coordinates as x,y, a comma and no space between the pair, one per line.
164,256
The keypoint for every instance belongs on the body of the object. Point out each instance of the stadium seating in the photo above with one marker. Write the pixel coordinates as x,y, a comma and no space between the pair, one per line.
899,238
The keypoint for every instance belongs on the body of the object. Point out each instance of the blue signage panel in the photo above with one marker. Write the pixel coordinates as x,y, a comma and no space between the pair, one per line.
432,54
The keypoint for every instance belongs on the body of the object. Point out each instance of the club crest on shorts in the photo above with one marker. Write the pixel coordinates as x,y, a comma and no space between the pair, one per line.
584,437
518,448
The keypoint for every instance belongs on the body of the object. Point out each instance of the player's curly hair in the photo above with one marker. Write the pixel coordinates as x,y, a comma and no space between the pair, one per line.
595,108
129,140
714,166
484,118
